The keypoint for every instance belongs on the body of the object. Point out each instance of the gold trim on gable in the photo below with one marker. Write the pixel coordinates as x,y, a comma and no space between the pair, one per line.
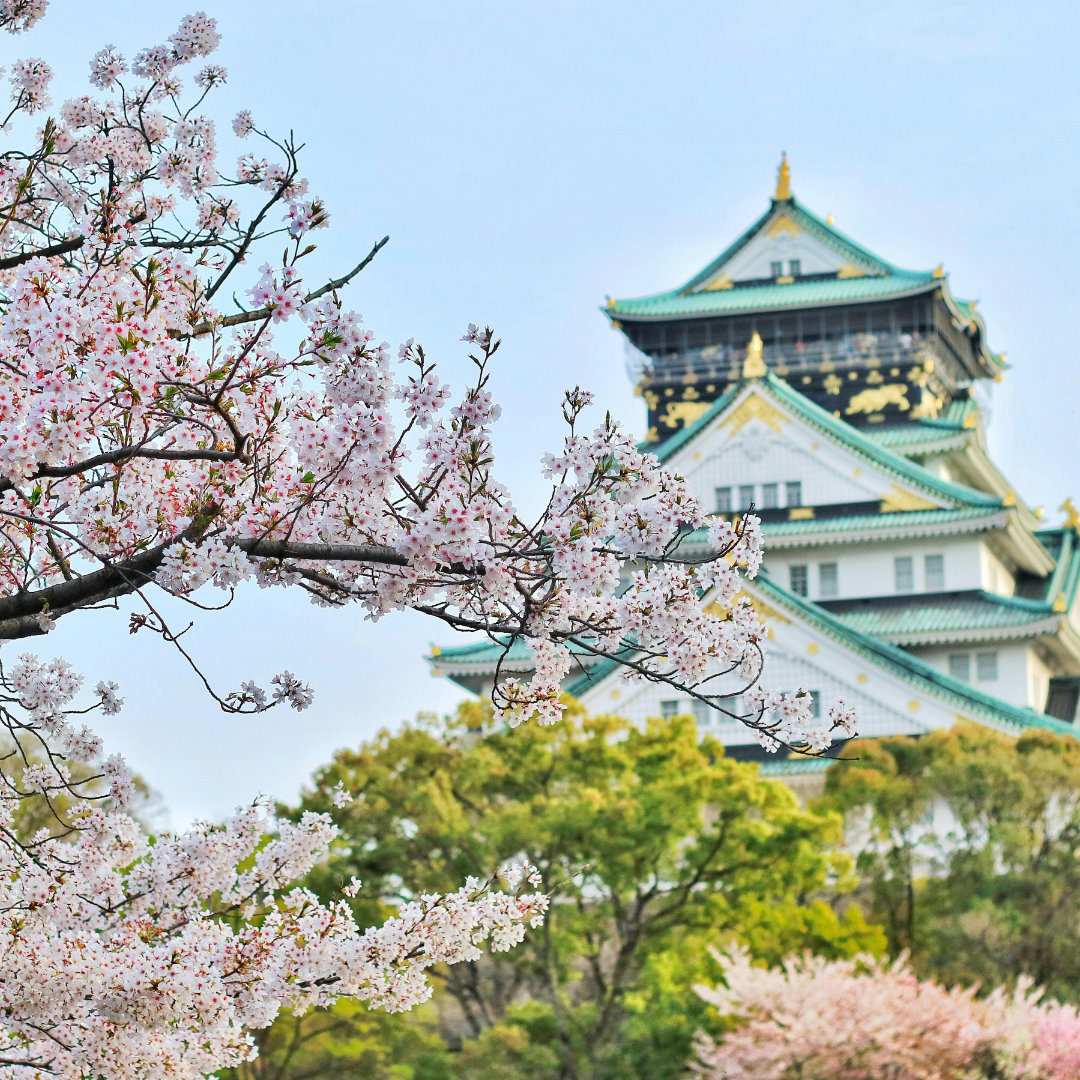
782,223
754,407
718,284
896,499
849,271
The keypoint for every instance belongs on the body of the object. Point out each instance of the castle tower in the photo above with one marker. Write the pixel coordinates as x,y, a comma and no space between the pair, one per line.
802,376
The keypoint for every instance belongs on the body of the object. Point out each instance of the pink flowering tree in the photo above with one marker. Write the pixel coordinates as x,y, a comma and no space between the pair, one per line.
864,1019
153,440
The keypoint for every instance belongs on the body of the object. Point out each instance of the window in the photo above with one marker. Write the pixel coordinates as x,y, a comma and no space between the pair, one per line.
723,500
960,666
703,715
815,703
770,496
777,269
986,666
793,493
746,496
904,573
828,579
798,577
795,267
668,709
935,571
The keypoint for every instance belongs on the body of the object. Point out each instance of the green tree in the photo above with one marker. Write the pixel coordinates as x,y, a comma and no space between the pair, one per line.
969,848
656,845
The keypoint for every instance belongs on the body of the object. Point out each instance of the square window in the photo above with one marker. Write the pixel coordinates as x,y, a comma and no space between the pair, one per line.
795,267
960,666
777,268
935,572
770,496
828,579
793,492
723,500
986,668
904,573
703,715
668,709
799,580
746,496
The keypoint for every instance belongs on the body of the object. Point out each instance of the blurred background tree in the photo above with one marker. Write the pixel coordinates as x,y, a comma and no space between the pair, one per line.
968,846
656,845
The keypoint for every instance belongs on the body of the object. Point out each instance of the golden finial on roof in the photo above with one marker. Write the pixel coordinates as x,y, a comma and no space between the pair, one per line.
939,270
754,364
829,218
783,180
1072,518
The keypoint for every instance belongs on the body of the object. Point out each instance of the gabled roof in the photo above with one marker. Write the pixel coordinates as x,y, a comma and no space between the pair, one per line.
860,277
979,705
966,700
836,429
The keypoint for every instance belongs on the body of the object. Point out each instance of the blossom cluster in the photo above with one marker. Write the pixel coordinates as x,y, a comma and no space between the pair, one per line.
148,435
128,955
859,1018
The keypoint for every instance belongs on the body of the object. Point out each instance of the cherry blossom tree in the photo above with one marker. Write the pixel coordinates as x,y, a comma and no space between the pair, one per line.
151,438
863,1019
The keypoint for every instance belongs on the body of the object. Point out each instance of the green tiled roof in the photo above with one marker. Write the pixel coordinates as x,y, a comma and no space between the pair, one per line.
963,697
880,522
914,432
841,432
974,517
482,651
984,611
911,668
799,294
882,280
796,766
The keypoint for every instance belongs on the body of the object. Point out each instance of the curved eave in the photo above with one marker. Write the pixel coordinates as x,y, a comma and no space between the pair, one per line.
993,712
963,312
1044,628
825,532
616,312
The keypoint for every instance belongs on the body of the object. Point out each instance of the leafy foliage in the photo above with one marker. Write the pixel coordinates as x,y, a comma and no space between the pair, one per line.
970,852
657,844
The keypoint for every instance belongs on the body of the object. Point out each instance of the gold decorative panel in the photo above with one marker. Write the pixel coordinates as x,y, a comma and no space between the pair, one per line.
876,398
680,413
753,407
897,499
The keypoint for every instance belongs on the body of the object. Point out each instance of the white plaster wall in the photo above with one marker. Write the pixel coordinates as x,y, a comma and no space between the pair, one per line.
1023,679
755,259
867,570
996,578
798,657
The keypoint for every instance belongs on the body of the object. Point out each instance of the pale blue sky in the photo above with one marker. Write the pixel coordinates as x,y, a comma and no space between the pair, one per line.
528,159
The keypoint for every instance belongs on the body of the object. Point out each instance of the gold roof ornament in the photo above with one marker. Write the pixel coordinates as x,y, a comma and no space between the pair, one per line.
939,270
829,218
783,180
1072,518
754,364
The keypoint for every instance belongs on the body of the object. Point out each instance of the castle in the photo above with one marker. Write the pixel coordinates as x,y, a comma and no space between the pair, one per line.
839,395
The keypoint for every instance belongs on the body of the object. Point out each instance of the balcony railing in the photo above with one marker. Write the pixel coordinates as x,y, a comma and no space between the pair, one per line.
855,351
